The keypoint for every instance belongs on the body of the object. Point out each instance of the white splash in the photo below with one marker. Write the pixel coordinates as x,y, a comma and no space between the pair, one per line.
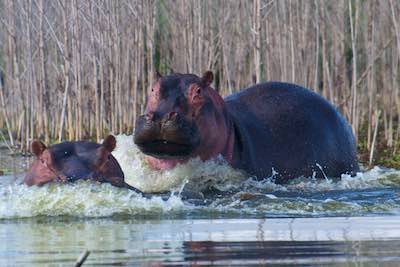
81,199
377,177
195,172
246,195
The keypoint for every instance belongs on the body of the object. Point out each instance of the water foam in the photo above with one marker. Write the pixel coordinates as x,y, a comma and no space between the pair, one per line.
370,192
377,177
81,199
195,173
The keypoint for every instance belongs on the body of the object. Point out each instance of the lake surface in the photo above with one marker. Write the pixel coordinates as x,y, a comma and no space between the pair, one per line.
355,241
347,221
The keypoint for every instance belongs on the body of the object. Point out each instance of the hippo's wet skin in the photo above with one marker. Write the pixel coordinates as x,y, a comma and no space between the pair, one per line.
70,161
268,127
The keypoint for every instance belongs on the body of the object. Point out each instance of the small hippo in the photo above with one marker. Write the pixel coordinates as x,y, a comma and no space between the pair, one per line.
71,161
270,128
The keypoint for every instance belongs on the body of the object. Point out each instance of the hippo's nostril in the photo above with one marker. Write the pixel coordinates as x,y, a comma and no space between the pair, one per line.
172,115
149,116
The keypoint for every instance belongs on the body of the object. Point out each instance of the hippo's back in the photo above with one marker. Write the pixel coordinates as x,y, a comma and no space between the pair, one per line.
291,129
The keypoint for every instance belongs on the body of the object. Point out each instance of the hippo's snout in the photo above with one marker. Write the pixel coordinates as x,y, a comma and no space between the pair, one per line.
170,118
146,129
173,121
167,136
153,119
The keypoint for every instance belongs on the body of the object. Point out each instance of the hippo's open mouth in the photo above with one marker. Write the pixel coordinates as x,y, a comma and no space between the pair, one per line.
165,149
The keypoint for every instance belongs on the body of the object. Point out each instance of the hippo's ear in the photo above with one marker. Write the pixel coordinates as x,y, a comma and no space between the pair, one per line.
109,143
157,75
37,148
207,78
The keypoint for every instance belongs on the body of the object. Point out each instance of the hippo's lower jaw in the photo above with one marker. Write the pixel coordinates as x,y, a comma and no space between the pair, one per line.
164,149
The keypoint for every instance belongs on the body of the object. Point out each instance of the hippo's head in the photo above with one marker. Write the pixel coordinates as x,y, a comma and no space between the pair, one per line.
70,161
184,118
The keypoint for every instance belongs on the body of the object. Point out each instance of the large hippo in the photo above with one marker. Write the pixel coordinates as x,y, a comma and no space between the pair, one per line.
269,128
70,161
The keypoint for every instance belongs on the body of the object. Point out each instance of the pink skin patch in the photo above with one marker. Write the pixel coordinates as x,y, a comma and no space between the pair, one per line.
215,129
154,98
163,164
40,172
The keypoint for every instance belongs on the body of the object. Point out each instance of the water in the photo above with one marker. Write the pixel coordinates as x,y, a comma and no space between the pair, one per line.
349,221
126,241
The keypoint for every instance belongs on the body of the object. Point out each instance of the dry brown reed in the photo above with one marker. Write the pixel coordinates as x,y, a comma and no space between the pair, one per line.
79,69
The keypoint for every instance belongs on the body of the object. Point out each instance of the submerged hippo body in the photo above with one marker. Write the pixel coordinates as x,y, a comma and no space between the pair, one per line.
270,128
71,161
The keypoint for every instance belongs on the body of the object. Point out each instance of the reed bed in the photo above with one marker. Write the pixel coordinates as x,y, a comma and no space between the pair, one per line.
80,68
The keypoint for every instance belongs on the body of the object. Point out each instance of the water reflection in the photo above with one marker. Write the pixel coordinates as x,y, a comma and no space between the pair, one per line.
308,253
307,241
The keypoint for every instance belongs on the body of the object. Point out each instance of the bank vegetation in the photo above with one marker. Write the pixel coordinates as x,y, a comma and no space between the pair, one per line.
80,68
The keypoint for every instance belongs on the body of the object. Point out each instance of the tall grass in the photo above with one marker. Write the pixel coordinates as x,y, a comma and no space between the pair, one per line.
79,69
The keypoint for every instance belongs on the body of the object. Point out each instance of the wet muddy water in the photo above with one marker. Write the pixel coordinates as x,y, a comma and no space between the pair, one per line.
346,221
